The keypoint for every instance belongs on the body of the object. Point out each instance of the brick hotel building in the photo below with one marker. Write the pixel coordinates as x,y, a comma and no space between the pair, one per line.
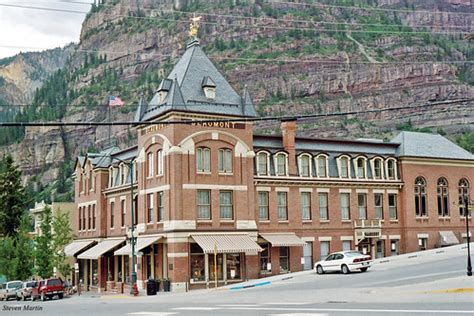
267,204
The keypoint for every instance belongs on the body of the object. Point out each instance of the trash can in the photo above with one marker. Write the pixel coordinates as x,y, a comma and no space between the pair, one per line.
151,287
157,281
166,285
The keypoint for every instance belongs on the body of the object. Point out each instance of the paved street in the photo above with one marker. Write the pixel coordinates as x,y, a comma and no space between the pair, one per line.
430,283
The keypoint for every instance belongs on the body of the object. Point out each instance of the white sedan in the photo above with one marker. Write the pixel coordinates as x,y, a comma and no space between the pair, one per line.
344,261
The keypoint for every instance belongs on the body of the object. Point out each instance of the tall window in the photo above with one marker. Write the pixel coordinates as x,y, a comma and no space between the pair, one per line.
263,205
281,165
322,168
378,203
463,189
93,216
225,161
344,167
345,210
203,159
282,206
305,165
150,163
80,218
420,197
391,169
362,205
442,191
392,206
150,207
83,218
323,206
305,205
377,169
360,166
204,204
159,162
89,217
225,204
122,211
112,206
264,259
284,259
161,206
262,163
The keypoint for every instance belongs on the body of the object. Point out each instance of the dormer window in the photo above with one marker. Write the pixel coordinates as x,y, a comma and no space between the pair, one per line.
262,163
305,165
343,166
209,87
163,90
162,96
377,168
360,167
322,166
280,164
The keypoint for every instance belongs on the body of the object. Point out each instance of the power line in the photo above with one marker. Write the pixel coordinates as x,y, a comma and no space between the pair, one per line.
42,8
236,120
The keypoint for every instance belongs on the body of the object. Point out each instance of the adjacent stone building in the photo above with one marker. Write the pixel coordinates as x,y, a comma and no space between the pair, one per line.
264,204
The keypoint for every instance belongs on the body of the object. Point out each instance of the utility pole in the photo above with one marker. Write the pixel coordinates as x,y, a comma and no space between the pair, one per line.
466,213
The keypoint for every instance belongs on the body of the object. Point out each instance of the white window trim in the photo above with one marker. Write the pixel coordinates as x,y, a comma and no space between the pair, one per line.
275,161
356,169
309,165
327,165
395,167
267,154
159,162
382,168
338,161
150,172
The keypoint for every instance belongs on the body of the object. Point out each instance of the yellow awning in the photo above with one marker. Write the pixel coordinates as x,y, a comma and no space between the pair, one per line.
101,248
76,246
283,239
142,242
226,243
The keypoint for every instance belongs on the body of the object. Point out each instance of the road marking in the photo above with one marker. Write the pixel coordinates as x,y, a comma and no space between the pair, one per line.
200,308
153,313
416,277
460,290
351,310
283,303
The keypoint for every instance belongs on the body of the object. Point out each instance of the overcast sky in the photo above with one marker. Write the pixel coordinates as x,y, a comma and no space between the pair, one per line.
22,27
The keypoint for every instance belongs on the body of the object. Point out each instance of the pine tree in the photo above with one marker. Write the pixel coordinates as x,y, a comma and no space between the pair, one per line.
61,237
43,250
12,197
23,261
7,254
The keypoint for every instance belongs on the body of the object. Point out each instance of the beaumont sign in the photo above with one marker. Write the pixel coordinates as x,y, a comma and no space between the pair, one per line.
159,126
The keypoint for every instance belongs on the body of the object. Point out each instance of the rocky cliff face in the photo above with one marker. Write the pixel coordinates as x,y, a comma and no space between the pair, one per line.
304,67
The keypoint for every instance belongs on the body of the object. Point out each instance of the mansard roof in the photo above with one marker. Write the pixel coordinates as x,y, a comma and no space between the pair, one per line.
184,87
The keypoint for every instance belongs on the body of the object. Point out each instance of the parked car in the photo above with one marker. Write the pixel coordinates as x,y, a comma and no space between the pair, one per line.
344,261
47,289
8,290
25,291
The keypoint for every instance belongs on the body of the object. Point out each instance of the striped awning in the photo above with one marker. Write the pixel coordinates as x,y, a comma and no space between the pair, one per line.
76,246
101,248
142,242
447,238
226,243
283,239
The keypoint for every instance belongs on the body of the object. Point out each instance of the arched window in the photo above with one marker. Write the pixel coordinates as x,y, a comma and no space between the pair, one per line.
262,163
420,197
463,189
304,163
343,167
280,164
391,169
150,164
322,166
360,168
203,159
442,192
159,162
377,168
225,160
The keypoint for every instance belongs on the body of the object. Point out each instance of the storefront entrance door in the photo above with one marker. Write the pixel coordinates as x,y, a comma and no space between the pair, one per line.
308,255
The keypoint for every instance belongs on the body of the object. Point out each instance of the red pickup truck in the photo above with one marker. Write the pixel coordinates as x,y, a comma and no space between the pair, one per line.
48,289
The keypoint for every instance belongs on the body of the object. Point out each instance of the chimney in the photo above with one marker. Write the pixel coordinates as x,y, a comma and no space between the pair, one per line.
288,129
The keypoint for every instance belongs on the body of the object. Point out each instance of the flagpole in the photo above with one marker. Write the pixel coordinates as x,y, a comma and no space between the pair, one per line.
110,126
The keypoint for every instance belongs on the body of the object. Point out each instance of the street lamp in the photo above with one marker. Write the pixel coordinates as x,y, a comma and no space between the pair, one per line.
132,234
466,213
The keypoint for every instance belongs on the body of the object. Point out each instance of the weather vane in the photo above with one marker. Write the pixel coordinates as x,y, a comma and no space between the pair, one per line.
194,26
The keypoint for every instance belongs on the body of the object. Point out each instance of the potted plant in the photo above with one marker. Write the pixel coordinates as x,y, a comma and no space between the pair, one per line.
166,284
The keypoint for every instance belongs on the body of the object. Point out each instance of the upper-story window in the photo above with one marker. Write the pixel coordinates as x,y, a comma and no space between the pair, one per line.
203,159
360,167
280,164
442,193
112,174
150,201
463,193
391,169
159,162
343,165
83,182
377,168
262,163
225,160
322,166
123,173
304,162
420,197
150,165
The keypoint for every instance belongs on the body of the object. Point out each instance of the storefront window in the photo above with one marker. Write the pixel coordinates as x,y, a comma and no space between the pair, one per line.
233,266
126,270
284,259
197,263
95,273
219,267
119,270
265,259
